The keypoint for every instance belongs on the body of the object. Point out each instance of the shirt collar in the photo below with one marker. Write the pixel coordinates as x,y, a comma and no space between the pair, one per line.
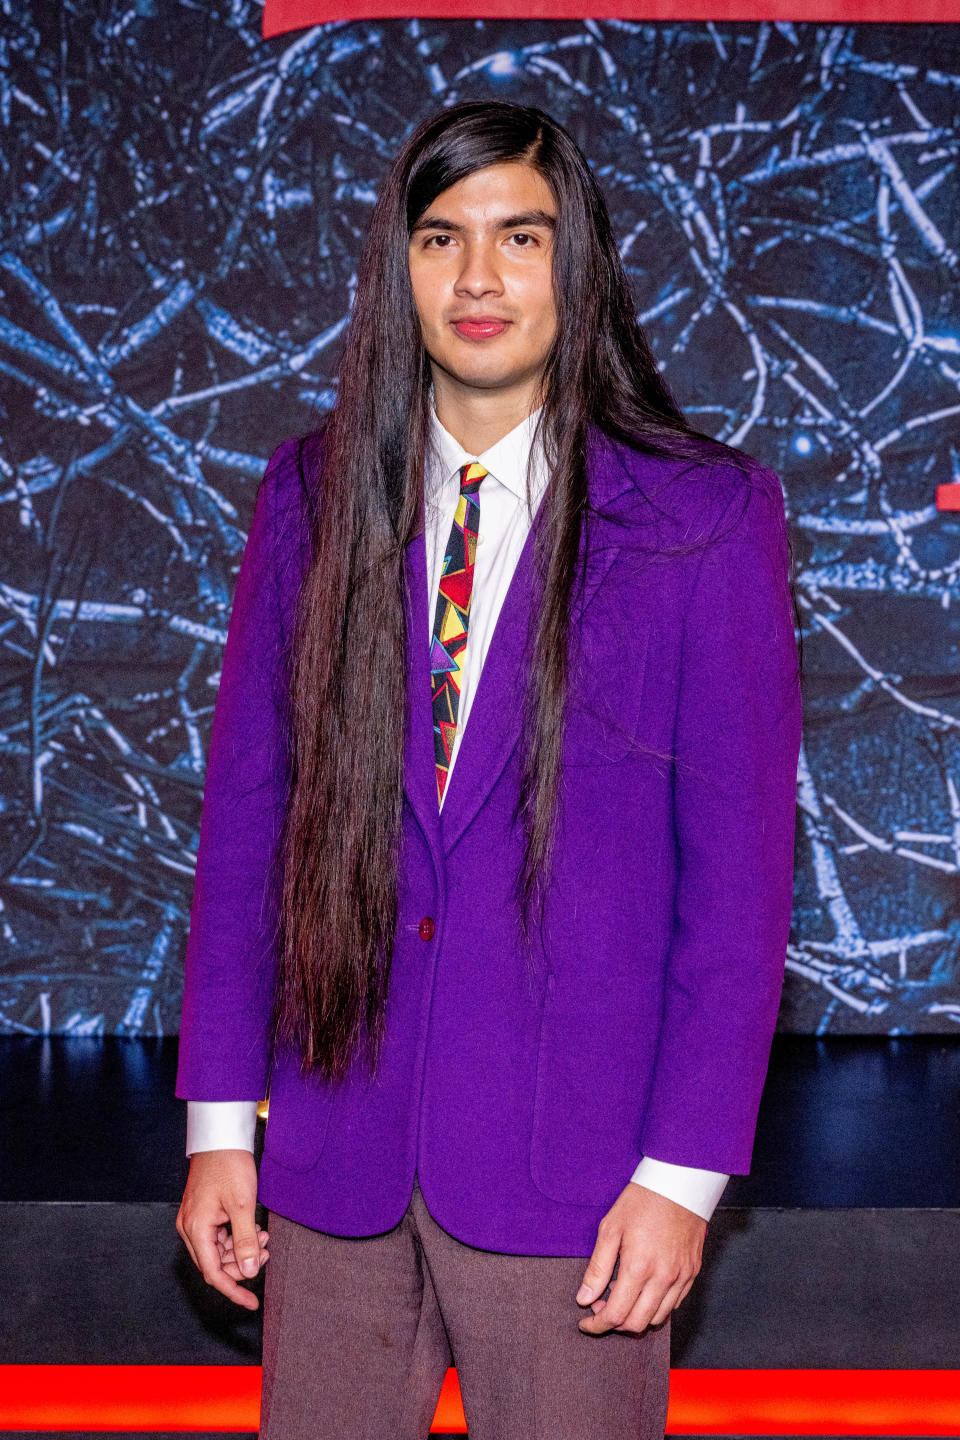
506,460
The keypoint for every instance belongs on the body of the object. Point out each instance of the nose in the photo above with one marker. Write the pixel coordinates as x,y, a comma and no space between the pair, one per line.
479,274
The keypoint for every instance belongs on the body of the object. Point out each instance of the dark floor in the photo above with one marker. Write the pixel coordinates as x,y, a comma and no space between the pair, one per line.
845,1121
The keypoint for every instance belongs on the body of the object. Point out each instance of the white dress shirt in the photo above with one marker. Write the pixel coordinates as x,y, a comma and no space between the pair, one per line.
502,531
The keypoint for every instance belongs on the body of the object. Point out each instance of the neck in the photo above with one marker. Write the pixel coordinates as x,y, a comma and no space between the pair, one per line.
479,418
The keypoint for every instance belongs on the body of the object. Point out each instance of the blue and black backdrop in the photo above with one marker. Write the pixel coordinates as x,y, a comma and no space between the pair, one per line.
183,208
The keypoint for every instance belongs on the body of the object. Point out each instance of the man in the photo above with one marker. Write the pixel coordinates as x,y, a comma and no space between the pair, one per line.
511,982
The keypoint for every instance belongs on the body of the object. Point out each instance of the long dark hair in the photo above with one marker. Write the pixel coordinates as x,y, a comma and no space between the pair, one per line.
339,848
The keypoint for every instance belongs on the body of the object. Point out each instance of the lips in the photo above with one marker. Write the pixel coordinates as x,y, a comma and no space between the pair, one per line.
480,327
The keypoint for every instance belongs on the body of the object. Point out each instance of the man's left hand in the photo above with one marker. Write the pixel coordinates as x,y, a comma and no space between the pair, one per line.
660,1244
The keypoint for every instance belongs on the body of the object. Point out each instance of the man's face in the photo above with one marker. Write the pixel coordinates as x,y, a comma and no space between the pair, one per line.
482,253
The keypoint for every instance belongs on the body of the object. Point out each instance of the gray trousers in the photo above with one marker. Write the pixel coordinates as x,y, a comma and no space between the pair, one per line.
358,1335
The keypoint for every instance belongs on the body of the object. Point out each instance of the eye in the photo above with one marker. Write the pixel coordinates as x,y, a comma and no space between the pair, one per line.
522,235
431,238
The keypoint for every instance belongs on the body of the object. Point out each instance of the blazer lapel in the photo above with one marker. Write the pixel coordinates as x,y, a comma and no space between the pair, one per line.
495,720
494,724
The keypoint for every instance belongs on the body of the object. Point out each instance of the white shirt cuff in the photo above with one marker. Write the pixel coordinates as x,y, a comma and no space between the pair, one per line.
696,1190
221,1125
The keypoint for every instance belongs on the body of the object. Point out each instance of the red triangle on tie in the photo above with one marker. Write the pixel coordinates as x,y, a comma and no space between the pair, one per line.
457,587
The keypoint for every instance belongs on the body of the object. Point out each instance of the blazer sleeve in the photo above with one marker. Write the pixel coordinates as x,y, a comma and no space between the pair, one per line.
737,744
230,968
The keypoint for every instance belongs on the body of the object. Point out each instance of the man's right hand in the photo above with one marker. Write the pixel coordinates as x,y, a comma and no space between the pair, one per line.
221,1190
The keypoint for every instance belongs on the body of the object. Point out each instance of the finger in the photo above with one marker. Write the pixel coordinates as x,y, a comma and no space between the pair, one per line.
638,1318
233,1270
655,1304
224,1234
227,1255
215,1275
596,1277
229,1258
190,1250
225,1241
185,1237
246,1246
685,1291
629,1284
671,1301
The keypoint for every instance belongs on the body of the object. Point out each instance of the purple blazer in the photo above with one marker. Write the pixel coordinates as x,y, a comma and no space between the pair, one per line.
524,1109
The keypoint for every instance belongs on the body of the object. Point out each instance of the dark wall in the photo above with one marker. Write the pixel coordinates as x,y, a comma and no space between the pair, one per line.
183,206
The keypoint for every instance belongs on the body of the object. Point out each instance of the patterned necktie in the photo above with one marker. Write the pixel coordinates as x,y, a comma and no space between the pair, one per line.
451,618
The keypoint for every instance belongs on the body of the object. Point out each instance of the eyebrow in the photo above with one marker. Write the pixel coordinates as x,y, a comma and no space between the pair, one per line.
510,222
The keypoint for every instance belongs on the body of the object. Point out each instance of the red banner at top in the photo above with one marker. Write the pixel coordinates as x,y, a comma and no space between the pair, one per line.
282,15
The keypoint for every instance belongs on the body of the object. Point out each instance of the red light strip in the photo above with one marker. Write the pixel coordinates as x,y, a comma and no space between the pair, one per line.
280,16
226,1398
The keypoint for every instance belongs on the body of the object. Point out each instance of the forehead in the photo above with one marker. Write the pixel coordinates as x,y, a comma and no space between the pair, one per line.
494,190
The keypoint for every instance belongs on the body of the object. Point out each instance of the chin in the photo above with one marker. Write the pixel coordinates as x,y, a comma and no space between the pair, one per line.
486,377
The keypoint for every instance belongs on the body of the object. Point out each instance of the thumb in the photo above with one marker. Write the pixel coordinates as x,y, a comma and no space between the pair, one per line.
599,1269
246,1246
